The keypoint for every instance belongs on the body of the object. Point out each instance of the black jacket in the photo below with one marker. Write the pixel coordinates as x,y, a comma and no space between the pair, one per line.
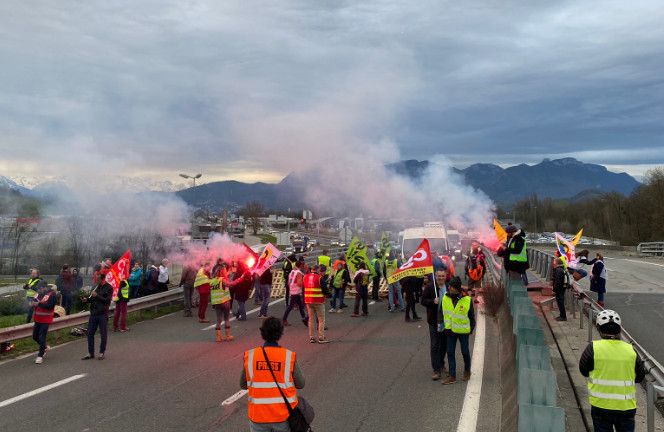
434,315
471,312
559,275
514,248
99,304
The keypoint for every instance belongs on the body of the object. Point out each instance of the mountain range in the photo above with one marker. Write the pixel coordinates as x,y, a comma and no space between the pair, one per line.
565,178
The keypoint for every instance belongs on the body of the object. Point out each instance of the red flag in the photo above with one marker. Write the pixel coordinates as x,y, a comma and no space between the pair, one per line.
419,264
119,272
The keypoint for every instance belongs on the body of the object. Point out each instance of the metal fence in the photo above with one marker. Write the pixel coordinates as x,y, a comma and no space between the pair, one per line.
542,263
651,248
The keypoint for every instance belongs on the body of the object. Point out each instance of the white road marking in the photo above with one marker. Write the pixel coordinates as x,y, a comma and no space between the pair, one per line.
248,313
40,390
635,261
471,403
235,397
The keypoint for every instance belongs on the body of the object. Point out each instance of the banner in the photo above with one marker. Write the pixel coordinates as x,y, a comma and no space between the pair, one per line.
119,272
566,249
385,246
577,237
267,259
500,232
357,253
419,264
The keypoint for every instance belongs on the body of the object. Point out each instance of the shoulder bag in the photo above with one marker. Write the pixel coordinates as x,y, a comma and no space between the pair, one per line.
296,417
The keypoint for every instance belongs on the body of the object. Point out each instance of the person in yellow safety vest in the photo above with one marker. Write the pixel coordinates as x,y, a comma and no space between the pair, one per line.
474,272
390,266
267,408
325,260
340,278
514,252
31,290
613,369
121,299
375,277
458,324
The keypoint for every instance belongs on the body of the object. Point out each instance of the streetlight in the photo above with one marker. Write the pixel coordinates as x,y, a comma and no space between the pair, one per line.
191,177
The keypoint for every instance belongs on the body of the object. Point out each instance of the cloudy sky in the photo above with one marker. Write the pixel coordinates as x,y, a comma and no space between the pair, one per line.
252,90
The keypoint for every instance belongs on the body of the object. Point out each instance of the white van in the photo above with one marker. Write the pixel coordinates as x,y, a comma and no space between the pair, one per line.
432,231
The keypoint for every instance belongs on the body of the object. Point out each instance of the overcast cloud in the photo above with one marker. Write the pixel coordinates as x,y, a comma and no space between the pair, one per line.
254,90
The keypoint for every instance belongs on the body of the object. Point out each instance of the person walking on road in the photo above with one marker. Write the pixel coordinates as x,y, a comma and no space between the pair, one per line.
187,281
265,286
361,281
202,284
559,287
31,290
44,304
267,409
431,299
121,300
314,298
339,280
390,267
459,323
598,277
409,285
99,299
376,274
613,369
296,284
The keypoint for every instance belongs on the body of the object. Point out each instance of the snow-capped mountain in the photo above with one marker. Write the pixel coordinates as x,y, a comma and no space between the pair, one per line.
41,186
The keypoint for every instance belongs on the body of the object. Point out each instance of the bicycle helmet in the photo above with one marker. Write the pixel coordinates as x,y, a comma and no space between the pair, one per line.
608,316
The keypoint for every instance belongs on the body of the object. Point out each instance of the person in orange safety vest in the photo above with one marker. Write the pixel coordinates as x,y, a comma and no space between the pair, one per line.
267,408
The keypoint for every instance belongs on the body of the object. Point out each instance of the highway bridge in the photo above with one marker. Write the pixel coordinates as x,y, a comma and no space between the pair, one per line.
375,375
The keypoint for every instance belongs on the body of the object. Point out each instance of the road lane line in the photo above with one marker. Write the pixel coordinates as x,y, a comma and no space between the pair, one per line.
248,313
40,390
235,397
634,261
471,402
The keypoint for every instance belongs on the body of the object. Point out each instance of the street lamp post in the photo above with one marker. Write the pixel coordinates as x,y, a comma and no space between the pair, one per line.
191,177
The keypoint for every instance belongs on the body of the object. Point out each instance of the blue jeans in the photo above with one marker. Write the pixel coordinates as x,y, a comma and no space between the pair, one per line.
97,321
438,342
604,421
295,299
451,352
133,291
560,301
338,293
396,286
265,298
600,297
241,311
67,298
39,333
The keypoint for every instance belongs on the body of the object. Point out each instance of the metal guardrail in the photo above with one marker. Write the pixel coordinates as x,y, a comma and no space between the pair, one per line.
25,330
654,248
590,308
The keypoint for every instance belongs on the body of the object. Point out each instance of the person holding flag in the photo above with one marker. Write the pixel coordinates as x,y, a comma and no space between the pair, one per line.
431,299
417,265
99,299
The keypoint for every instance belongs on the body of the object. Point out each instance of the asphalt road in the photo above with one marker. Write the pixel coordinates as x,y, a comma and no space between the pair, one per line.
170,374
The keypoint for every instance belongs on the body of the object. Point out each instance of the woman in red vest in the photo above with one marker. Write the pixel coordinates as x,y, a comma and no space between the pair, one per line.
44,303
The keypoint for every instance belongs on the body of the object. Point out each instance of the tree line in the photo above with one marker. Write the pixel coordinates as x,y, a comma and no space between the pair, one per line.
628,220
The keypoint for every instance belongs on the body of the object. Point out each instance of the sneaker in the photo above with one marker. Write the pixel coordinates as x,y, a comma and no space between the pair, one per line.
101,356
286,324
88,357
561,319
466,376
264,316
408,319
39,360
332,310
339,310
323,340
344,305
355,315
391,310
403,309
124,330
312,340
365,313
449,380
436,376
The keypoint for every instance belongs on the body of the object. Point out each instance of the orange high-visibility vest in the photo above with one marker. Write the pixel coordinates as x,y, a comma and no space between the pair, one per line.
312,290
476,274
265,402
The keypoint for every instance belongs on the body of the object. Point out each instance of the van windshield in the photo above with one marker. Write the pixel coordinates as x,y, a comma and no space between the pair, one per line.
437,244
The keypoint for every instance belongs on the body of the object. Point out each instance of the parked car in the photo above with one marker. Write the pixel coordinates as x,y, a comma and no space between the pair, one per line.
334,243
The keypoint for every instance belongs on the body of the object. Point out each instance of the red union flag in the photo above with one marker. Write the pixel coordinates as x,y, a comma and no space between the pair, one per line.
419,264
119,272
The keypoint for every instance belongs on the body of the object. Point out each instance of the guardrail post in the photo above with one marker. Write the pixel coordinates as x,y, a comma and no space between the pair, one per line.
650,397
582,312
591,314
573,303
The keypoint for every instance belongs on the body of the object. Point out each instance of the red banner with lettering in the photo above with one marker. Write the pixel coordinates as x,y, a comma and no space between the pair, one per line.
119,272
419,264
